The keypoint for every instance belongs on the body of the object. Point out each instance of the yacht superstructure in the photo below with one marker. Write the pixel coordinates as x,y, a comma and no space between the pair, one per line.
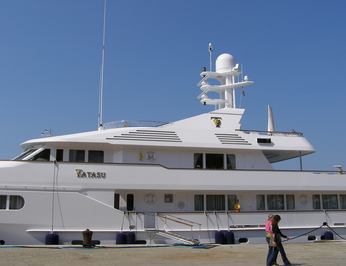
181,181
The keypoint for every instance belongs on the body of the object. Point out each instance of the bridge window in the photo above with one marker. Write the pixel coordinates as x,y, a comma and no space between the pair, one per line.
42,156
25,154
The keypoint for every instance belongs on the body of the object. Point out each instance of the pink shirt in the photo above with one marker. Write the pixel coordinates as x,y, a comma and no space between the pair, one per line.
268,227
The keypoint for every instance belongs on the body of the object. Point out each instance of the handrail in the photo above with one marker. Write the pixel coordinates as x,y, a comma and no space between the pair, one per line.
174,220
179,218
187,169
294,133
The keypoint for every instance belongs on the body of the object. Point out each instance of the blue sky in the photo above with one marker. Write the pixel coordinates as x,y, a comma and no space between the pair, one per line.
50,53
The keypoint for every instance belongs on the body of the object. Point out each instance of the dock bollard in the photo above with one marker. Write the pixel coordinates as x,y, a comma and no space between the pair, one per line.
87,236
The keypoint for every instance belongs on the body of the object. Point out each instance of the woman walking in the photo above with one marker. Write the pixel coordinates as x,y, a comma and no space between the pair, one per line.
277,244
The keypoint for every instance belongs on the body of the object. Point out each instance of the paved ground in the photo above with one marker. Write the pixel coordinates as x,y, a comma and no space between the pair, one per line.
316,254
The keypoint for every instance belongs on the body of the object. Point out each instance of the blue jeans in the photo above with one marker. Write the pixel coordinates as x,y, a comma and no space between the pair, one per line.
273,254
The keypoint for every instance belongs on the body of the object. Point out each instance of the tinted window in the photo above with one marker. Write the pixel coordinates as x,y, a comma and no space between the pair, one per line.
199,202
214,161
215,202
3,199
198,160
130,202
169,198
275,202
260,202
116,200
330,201
231,164
16,202
24,154
231,201
42,156
316,202
59,155
290,203
77,156
95,157
343,201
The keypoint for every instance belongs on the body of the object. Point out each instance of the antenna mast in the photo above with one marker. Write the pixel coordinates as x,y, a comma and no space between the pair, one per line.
100,115
210,49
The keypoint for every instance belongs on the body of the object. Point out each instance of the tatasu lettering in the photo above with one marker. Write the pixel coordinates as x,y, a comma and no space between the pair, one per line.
82,174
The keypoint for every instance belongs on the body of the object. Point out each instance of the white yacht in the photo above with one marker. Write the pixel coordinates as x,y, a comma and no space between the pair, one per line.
200,179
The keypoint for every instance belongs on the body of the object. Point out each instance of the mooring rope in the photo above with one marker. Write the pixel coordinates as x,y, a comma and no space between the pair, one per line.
309,232
291,238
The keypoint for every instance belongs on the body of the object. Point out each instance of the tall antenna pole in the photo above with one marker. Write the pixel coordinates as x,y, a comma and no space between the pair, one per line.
100,116
210,49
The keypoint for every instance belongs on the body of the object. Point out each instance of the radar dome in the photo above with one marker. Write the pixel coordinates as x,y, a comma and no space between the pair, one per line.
224,62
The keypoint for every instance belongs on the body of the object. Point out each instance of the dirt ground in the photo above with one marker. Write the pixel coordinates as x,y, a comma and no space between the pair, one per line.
314,254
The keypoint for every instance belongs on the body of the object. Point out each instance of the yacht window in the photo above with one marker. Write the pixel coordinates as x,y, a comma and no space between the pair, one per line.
41,156
214,161
198,160
231,165
343,201
130,202
231,201
16,202
95,157
25,154
316,202
330,201
275,202
77,156
260,202
264,141
3,200
199,202
168,198
59,155
116,201
215,202
290,204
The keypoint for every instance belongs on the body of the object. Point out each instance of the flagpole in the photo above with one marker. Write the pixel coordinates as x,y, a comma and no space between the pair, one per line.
100,116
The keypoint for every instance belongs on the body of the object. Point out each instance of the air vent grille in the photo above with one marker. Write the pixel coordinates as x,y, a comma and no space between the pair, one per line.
149,135
234,139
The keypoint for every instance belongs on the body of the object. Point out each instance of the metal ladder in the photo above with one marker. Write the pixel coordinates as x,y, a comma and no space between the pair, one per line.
175,236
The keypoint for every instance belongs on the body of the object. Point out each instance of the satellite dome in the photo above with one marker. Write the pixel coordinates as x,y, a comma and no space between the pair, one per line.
224,62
